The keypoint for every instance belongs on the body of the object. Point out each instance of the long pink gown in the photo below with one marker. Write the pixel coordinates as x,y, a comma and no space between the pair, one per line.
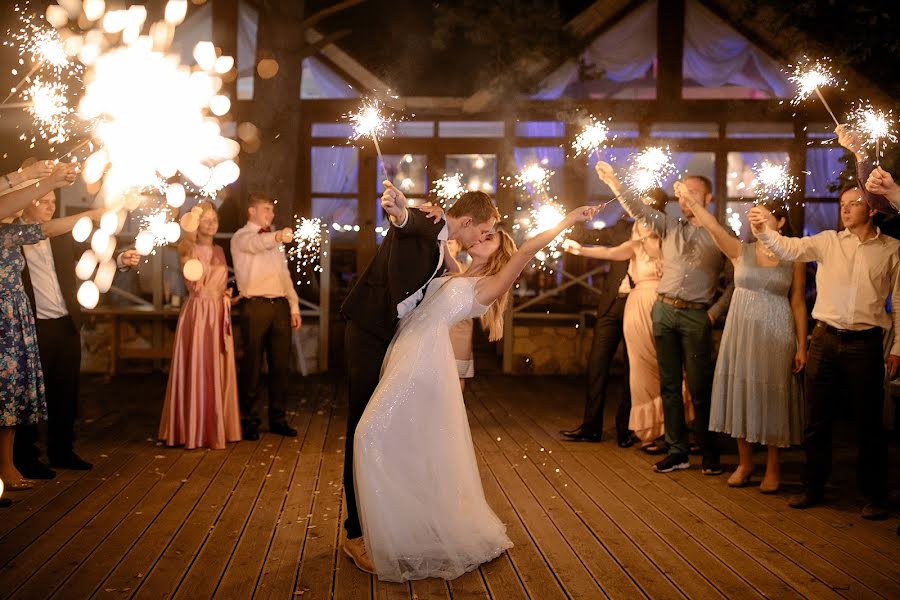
201,408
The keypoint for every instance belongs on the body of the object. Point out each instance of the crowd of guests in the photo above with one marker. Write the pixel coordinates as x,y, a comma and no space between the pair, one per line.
771,383
206,405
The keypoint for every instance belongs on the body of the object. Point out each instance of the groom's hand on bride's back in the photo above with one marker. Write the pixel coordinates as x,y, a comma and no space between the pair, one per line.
393,202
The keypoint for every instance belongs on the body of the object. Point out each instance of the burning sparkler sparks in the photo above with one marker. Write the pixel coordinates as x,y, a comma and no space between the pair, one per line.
773,182
48,106
650,168
449,188
811,76
307,247
156,231
369,122
875,127
592,138
534,178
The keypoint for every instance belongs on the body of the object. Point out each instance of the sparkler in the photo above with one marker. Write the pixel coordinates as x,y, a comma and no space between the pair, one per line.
874,126
308,244
809,77
156,231
369,122
773,182
42,45
449,188
48,106
650,168
534,178
592,138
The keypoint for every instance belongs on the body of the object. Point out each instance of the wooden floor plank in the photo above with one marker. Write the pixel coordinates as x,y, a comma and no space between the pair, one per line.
100,562
105,513
209,565
315,545
263,519
144,554
583,537
164,576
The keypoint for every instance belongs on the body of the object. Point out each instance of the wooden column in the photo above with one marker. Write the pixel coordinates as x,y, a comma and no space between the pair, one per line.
669,50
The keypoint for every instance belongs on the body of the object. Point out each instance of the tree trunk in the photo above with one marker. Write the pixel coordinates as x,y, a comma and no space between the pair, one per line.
276,108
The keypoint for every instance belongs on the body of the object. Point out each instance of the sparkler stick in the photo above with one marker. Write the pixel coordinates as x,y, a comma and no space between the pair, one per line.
825,104
16,88
810,77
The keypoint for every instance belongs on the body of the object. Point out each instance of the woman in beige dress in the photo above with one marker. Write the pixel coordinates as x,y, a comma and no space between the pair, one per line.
644,270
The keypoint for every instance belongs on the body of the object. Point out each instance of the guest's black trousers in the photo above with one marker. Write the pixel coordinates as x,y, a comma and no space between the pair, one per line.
265,328
59,343
846,367
365,353
607,337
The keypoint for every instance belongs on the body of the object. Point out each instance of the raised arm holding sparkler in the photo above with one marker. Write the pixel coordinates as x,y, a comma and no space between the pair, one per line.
852,141
39,169
881,183
727,243
14,201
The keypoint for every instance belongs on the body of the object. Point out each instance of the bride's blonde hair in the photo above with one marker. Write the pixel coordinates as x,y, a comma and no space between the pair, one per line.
492,320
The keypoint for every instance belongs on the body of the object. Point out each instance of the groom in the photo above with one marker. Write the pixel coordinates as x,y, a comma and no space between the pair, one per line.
410,256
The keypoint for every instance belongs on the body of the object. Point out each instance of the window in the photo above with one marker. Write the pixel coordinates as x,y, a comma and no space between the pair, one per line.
540,129
470,129
478,171
248,25
741,178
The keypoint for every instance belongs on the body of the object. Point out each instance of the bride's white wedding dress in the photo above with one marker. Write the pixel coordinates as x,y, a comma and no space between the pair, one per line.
421,503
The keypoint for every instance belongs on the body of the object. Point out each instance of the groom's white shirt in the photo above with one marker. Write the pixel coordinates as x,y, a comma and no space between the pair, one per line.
411,301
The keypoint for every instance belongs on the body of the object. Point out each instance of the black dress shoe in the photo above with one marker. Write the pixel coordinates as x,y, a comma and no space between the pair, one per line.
583,435
806,500
5,502
71,461
36,470
626,441
282,429
875,511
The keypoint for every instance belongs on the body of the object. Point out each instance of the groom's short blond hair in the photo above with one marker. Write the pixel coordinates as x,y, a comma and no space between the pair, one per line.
477,205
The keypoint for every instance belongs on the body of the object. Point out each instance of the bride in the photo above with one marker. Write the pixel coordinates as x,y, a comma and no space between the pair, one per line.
421,504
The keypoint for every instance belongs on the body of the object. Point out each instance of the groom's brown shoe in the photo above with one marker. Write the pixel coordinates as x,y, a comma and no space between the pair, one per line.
356,550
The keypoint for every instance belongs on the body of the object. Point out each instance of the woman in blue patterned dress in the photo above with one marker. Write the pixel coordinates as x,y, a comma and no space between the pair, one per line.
21,381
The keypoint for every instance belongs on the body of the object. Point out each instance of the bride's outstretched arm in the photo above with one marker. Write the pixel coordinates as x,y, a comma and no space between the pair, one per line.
490,288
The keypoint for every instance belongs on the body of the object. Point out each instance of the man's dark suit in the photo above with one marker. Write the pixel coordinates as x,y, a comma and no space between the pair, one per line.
607,335
59,343
406,260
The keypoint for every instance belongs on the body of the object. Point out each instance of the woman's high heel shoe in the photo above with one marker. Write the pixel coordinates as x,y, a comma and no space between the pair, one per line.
738,483
23,484
769,489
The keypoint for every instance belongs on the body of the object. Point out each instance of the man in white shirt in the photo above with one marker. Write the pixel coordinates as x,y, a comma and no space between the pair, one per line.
859,268
270,311
50,283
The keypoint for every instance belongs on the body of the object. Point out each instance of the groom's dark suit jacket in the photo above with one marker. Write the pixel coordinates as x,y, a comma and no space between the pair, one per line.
405,261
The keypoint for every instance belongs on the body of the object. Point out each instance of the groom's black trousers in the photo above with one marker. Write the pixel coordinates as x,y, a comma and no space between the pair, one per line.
365,353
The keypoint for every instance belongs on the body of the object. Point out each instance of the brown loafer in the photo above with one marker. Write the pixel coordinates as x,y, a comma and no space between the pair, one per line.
356,550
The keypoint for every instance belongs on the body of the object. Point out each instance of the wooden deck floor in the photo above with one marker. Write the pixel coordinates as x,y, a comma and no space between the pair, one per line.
262,519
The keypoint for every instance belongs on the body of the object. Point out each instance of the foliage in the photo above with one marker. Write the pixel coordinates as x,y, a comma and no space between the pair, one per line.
509,33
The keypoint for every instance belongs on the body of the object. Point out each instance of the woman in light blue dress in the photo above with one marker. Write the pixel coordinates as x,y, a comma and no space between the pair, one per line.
757,396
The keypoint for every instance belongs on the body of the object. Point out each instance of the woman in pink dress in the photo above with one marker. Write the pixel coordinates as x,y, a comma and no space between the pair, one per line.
201,408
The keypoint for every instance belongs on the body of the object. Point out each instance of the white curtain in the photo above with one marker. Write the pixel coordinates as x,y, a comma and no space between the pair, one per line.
624,53
319,82
716,55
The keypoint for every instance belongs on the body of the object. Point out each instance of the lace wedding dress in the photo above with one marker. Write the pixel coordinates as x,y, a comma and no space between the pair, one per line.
421,503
